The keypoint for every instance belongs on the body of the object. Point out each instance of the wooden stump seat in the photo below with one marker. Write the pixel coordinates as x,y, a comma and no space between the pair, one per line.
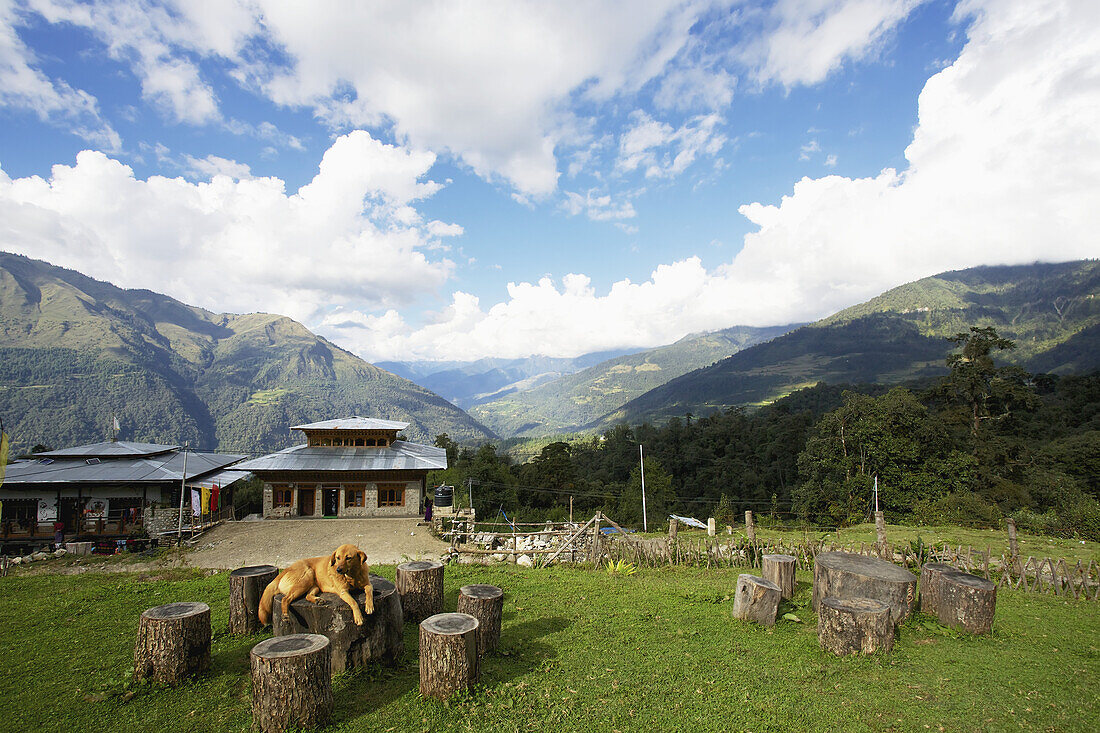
486,604
756,600
291,682
855,625
845,575
958,599
381,637
173,642
780,570
246,585
420,584
449,658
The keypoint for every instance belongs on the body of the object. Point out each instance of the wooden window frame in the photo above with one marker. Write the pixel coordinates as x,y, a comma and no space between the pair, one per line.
355,496
287,502
397,489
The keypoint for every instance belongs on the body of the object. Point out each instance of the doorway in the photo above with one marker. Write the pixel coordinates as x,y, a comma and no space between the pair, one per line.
306,498
331,500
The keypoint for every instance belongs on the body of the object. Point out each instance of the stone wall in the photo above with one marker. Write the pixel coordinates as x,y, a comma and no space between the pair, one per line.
411,507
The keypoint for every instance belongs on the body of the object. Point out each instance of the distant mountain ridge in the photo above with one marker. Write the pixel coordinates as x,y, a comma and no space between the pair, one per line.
76,353
1051,311
571,402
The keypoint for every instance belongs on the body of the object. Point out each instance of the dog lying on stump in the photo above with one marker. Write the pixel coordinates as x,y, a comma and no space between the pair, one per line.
337,573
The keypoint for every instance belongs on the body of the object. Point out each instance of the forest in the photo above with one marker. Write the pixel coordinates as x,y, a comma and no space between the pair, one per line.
983,442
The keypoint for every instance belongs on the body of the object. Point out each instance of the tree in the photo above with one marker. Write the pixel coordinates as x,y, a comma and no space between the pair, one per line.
659,496
989,392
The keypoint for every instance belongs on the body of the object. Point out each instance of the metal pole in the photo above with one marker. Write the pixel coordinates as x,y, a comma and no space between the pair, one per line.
641,463
876,493
183,490
470,483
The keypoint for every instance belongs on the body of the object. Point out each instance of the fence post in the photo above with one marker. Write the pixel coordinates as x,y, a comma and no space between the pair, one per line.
1013,547
750,530
711,527
880,531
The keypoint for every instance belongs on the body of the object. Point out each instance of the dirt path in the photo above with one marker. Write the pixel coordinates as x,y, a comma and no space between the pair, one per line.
281,542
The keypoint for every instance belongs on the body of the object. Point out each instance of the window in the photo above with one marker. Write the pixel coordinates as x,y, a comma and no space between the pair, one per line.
358,442
281,496
391,494
354,496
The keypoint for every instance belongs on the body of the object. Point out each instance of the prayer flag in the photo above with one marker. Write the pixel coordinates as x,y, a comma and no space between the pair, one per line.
205,500
214,498
196,502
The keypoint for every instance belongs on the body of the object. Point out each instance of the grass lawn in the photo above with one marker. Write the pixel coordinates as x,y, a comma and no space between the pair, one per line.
655,651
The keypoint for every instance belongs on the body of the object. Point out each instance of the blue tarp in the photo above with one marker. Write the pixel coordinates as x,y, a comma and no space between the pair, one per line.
612,530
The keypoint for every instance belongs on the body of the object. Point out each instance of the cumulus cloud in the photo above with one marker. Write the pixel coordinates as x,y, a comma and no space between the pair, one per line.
1004,168
213,165
663,151
24,87
351,235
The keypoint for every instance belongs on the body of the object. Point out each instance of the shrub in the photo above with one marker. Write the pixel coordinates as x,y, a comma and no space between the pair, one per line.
963,507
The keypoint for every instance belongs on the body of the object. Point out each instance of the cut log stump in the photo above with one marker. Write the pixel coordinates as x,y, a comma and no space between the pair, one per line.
449,659
381,638
779,569
486,604
246,585
173,642
420,584
931,581
291,683
845,575
756,600
854,626
966,602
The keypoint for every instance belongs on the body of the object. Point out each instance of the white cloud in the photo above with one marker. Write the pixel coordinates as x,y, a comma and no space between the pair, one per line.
809,149
24,87
597,206
805,40
213,165
1004,168
664,152
352,235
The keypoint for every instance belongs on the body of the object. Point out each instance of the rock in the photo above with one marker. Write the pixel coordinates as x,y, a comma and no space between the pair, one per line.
28,558
17,561
60,552
498,557
39,555
525,561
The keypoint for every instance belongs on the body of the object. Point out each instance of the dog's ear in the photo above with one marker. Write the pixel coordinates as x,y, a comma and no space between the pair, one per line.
332,560
362,558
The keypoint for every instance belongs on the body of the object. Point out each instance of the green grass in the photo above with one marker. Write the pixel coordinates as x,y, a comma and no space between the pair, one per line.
580,650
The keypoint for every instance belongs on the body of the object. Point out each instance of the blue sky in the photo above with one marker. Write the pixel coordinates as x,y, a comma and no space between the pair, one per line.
504,179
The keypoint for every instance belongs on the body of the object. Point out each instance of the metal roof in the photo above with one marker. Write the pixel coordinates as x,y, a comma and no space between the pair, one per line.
398,456
154,469
221,479
120,449
353,423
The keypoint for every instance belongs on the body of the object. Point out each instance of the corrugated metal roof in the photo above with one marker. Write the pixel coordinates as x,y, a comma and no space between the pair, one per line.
399,456
120,449
221,479
353,423
155,469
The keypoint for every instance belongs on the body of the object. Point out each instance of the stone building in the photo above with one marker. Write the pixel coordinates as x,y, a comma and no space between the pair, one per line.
350,467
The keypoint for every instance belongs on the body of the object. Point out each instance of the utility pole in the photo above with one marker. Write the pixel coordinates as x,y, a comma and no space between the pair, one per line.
183,490
470,484
641,464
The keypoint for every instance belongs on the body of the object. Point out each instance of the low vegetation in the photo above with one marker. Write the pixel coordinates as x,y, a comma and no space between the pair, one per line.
581,649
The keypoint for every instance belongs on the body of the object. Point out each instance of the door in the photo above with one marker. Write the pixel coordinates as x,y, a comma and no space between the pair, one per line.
306,498
331,501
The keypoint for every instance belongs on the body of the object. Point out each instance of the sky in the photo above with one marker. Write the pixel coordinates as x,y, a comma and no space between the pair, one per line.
452,181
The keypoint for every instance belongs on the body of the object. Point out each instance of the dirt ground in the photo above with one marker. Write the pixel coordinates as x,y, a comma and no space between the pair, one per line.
282,541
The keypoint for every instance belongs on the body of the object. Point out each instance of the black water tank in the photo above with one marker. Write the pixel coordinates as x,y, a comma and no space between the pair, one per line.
444,495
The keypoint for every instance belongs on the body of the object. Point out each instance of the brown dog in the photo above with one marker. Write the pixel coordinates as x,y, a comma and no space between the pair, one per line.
336,573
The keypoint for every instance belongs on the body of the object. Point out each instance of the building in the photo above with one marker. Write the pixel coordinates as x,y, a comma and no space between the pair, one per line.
108,489
351,467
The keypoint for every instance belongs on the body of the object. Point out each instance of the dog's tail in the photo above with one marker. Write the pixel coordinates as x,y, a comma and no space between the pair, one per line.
264,611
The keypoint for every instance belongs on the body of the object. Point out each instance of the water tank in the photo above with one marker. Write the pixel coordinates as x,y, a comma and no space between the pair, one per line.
444,496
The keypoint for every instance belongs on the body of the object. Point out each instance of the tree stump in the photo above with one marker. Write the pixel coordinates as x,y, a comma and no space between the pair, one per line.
420,584
780,569
486,604
855,625
756,600
931,581
173,642
449,659
291,682
381,638
845,575
966,602
246,585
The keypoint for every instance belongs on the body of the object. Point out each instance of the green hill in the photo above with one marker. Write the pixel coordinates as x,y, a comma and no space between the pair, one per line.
574,400
76,352
1051,311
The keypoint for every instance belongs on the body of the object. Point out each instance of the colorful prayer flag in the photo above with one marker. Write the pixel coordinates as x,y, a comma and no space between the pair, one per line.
196,502
205,500
214,498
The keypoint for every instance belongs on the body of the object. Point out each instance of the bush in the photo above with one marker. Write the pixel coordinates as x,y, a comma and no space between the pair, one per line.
964,508
1080,520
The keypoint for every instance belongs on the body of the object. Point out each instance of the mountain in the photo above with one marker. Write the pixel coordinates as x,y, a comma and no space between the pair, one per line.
1051,311
570,402
469,383
75,353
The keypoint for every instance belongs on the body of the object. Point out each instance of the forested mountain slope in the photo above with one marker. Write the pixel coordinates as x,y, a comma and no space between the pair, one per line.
76,352
1051,311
